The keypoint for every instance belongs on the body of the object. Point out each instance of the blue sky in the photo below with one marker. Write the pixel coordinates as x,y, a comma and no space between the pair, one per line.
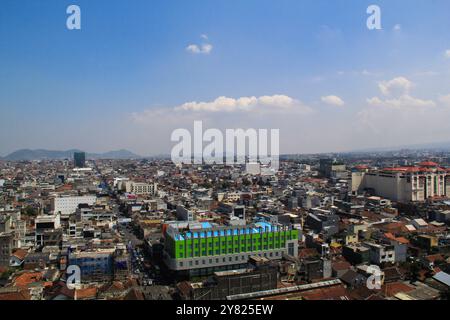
123,79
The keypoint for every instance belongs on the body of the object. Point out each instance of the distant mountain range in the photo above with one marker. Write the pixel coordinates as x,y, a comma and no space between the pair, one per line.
42,154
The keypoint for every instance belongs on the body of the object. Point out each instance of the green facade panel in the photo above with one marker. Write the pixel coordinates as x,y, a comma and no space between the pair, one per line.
222,245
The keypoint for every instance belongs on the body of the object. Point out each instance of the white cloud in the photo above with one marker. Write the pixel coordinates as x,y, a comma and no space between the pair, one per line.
193,48
333,100
225,109
196,49
404,102
397,27
294,119
204,48
207,48
274,103
399,85
398,116
401,99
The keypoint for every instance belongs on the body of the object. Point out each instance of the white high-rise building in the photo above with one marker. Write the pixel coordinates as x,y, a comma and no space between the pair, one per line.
140,188
67,205
405,184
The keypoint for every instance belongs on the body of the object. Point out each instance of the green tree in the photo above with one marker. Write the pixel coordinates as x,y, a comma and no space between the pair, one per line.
30,211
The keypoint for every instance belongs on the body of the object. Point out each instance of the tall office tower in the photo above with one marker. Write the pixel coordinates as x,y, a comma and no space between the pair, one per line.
79,159
332,168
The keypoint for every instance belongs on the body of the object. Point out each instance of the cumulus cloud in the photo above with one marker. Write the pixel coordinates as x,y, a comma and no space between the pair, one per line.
397,27
204,48
274,103
398,114
333,101
263,105
401,99
399,85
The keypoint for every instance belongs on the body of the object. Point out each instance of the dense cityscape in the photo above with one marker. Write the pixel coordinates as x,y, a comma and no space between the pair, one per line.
217,158
357,226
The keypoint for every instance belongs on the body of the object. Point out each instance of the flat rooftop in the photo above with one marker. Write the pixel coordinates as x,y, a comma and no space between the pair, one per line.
208,230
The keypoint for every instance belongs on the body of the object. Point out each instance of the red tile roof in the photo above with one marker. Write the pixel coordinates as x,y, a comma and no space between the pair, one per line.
390,236
15,295
27,278
428,164
88,293
435,257
20,254
424,168
391,289
341,265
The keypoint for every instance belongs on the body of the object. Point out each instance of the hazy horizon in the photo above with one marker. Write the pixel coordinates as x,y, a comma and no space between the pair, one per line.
424,146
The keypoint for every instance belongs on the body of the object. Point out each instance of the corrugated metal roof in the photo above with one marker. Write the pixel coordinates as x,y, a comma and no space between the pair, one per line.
258,294
442,277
